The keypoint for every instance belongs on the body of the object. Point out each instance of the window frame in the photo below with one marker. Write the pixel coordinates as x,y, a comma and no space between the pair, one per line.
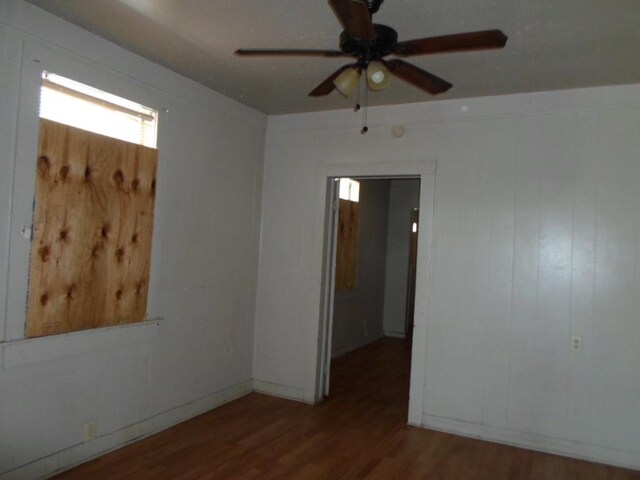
36,58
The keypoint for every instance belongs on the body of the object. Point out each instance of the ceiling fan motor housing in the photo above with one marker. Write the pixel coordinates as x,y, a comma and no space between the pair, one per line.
385,39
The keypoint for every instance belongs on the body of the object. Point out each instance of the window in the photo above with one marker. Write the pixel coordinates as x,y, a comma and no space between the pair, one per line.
93,216
349,190
71,103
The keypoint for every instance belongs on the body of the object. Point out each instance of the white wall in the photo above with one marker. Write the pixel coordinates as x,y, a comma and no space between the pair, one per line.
404,196
135,379
358,314
536,239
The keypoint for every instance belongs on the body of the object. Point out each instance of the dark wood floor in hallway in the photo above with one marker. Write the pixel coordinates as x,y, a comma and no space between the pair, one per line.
358,432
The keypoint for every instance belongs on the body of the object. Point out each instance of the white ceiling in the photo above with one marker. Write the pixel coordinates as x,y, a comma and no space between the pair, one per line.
553,44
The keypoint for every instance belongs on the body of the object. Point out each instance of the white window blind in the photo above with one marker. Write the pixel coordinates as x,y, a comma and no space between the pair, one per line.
349,189
71,103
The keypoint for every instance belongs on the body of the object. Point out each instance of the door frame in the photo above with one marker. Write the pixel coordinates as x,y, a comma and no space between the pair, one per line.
320,269
411,274
329,279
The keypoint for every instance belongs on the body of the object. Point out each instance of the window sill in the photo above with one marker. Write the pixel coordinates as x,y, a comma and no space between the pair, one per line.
44,349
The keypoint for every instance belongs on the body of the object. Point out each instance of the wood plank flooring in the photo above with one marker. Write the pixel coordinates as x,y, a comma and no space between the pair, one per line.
358,432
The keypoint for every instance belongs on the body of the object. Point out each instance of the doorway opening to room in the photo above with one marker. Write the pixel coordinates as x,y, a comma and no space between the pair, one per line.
369,288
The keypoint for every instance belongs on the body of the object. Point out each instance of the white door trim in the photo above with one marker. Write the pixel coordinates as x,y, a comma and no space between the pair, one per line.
328,284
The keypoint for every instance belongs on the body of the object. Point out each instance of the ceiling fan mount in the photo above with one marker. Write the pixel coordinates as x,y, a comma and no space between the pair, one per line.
369,43
374,5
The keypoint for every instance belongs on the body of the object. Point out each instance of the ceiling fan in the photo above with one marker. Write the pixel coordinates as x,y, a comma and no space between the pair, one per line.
369,43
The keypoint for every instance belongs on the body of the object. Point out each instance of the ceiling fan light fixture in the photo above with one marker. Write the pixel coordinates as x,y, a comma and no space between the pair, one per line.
347,81
378,76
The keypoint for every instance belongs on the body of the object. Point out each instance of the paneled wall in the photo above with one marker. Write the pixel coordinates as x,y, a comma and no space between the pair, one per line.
536,240
196,351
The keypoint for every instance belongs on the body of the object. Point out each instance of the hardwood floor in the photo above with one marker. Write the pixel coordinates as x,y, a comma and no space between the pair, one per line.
358,432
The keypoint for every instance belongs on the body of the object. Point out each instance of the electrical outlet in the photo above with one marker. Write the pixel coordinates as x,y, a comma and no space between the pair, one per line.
576,344
89,431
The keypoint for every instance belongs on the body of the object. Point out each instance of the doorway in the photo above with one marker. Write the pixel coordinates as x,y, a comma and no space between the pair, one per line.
371,260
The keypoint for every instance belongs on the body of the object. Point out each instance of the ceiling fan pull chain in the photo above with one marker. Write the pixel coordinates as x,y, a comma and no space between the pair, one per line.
365,129
356,108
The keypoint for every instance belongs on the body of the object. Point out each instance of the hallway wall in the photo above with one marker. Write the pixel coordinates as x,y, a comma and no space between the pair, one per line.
403,197
358,315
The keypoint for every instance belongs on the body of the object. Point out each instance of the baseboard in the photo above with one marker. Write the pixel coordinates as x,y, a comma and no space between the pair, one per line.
277,390
395,334
77,454
540,443
350,348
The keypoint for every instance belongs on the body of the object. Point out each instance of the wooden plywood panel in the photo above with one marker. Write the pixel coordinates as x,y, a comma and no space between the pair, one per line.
93,223
347,248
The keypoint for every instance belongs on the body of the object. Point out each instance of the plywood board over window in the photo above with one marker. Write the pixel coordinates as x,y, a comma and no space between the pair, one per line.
347,246
93,224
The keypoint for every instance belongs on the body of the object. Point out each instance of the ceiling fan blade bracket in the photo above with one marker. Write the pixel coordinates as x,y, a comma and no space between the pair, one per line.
416,76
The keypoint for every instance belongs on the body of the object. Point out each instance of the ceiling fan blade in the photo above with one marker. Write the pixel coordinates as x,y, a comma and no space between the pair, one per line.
460,42
418,77
282,52
326,87
355,18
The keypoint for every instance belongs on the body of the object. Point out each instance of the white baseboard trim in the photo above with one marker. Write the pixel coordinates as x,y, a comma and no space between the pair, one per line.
77,454
395,334
277,390
540,443
350,348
